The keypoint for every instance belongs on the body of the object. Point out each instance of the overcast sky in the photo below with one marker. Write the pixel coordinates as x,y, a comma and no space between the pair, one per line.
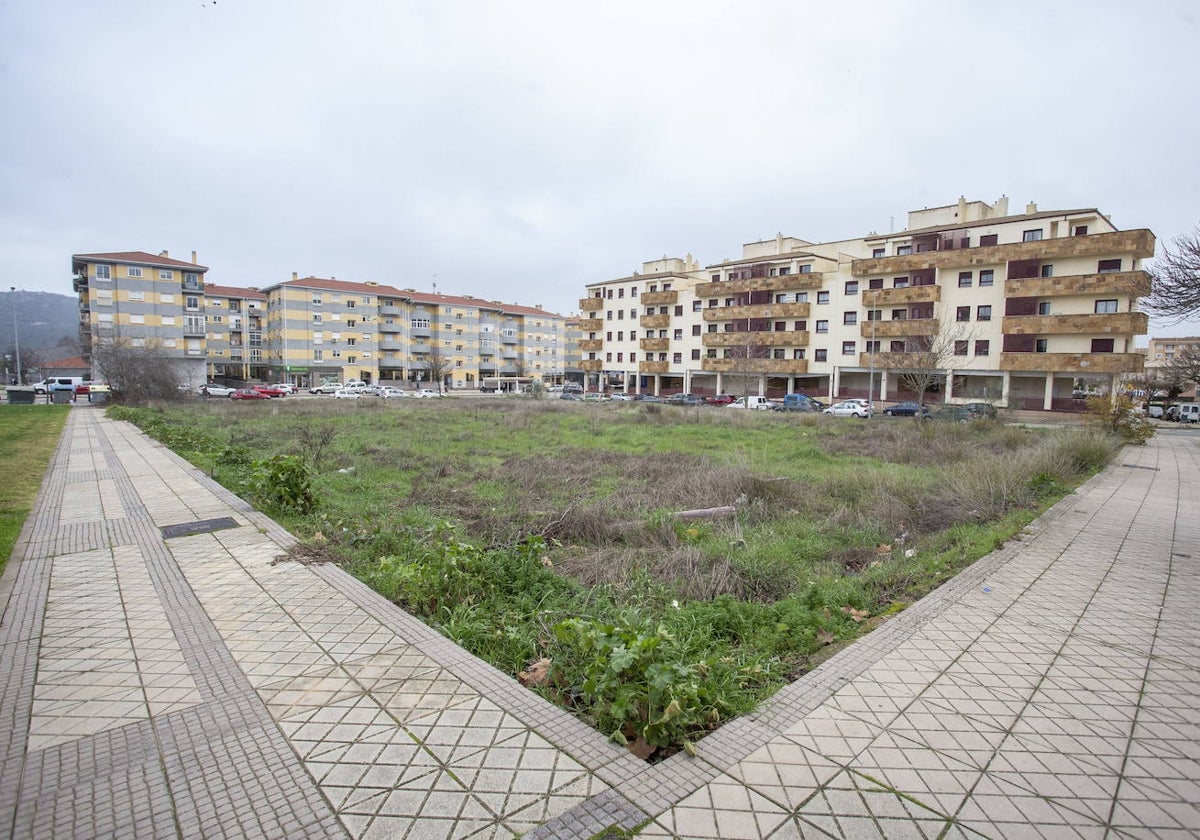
519,150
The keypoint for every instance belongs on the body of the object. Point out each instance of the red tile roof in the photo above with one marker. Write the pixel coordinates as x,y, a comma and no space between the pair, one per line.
69,362
414,296
212,290
139,258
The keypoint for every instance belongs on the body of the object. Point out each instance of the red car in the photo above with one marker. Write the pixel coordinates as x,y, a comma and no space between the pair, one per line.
721,399
270,391
248,394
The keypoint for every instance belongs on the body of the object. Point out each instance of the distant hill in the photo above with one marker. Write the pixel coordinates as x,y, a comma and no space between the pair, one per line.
44,321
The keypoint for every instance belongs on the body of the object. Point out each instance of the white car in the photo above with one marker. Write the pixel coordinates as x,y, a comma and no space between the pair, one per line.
213,390
325,388
285,386
389,393
850,408
620,396
346,394
425,393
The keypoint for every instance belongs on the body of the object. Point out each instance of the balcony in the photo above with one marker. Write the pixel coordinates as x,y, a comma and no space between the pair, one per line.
783,338
591,344
591,365
785,283
655,322
780,367
658,345
756,310
591,304
899,328
930,293
508,353
912,361
391,363
387,310
1115,323
422,349
506,338
420,332
588,325
394,327
1132,284
1073,362
388,343
193,329
657,298
1139,243
653,367
79,282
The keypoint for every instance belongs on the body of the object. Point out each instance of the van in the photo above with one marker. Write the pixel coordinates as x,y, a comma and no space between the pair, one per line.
759,403
58,383
796,402
1189,412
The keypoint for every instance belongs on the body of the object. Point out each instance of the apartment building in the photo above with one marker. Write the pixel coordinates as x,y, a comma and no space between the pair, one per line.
325,328
1163,351
147,300
235,322
1013,309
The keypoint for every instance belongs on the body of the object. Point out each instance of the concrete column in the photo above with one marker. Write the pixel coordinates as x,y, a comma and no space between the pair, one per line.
657,384
835,383
762,384
1048,398
687,380
1005,387
949,391
720,382
883,385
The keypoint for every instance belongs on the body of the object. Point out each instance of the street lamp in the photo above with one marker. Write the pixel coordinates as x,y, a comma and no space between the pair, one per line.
12,290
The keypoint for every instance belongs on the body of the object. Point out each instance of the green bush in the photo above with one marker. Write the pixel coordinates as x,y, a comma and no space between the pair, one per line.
281,483
1119,417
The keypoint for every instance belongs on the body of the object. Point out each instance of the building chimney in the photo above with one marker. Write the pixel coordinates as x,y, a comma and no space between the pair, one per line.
1031,208
163,253
1002,206
962,208
193,257
295,276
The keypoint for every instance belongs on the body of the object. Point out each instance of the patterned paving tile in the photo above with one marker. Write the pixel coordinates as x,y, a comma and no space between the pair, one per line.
722,809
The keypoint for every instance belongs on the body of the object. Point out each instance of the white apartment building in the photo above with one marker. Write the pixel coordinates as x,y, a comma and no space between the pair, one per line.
1023,304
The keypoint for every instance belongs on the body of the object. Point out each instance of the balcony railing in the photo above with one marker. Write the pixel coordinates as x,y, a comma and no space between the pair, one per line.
587,325
1073,362
783,338
657,298
930,293
1133,284
590,344
658,345
653,367
655,322
1114,323
899,327
591,304
756,310
785,283
591,365
756,366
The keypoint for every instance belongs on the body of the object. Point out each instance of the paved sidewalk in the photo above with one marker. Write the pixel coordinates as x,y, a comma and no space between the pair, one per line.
162,685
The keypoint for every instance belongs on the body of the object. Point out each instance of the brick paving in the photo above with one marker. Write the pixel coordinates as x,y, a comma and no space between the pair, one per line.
158,686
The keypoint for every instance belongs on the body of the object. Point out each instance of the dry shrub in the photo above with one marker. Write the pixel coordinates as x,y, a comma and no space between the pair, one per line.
686,571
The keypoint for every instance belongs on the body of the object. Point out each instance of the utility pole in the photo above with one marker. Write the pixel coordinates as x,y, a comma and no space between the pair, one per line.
12,290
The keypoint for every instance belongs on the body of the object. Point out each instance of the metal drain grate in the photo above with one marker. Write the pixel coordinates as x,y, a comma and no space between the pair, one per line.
204,526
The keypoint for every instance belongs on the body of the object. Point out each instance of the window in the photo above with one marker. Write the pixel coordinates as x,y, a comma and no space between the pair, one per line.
1080,230
800,326
608,356
677,358
695,355
899,314
989,239
1109,266
801,297
716,278
350,342
633,292
620,314
137,295
350,305
191,302
1047,270
874,314
316,299
822,297
983,313
316,317
1034,235
1044,307
903,250
822,326
962,313
875,283
133,271
1041,345
784,271
798,353
137,319
1102,345
620,293
876,253
849,348
778,353
1106,307
779,326
965,278
166,275
620,357
608,336
679,309
697,305
982,347
678,334
103,272
899,282
821,355
806,269
633,357
987,277
960,348
851,287
850,318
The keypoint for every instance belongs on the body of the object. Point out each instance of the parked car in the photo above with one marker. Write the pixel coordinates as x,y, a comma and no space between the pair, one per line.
426,393
570,395
248,394
795,402
390,393
285,386
325,388
212,389
850,408
346,394
58,383
270,390
953,414
721,399
620,396
686,399
981,409
649,398
906,409
1189,412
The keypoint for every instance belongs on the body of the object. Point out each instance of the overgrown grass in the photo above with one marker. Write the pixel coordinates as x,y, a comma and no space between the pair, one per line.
542,536
28,437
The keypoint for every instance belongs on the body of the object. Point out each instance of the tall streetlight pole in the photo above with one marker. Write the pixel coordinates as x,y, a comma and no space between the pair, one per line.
12,290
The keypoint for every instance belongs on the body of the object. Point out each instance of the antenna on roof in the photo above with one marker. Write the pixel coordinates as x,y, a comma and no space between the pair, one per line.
435,284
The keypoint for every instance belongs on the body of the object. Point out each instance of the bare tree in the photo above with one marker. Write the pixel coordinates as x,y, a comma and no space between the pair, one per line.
746,361
137,374
1175,294
1184,369
438,365
923,364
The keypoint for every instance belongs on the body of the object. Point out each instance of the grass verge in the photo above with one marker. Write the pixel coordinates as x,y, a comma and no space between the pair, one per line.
28,437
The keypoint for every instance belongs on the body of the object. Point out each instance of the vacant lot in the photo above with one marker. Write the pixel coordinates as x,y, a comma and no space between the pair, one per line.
543,536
